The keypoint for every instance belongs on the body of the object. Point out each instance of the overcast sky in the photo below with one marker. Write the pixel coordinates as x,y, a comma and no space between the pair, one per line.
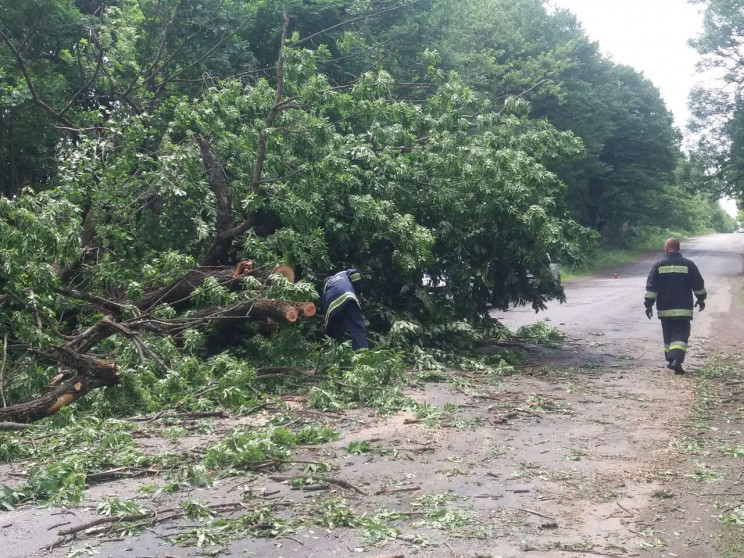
649,35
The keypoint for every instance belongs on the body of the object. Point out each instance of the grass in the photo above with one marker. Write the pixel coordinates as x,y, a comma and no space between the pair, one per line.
605,259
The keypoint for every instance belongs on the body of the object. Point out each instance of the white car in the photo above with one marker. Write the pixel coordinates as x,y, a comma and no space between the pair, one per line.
555,270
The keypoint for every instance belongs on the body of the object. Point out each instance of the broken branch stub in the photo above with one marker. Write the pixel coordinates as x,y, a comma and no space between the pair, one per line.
90,373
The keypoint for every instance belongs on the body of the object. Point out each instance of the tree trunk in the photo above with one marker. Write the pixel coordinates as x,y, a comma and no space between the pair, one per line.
251,310
178,293
90,373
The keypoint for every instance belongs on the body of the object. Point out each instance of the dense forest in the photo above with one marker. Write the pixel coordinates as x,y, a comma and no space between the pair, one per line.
149,146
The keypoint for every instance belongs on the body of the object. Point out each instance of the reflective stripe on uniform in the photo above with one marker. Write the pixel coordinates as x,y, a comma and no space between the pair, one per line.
666,348
336,303
673,269
355,277
677,313
651,294
680,345
701,292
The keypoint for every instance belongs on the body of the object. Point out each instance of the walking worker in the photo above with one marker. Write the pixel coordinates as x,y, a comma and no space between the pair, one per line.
342,310
672,282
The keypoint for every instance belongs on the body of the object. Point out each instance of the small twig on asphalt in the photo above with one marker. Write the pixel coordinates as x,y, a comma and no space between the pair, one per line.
384,490
185,415
2,371
626,510
328,480
533,512
102,521
530,413
562,548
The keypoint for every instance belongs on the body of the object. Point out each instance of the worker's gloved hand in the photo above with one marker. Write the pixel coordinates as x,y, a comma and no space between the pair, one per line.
701,304
649,313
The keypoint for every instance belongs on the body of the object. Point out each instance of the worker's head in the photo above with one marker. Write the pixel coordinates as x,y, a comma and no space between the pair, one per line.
671,246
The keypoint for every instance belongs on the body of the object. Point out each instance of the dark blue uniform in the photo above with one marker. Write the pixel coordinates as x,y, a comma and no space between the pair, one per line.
671,283
342,310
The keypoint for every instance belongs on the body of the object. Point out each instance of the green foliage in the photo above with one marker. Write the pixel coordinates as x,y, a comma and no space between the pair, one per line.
733,451
59,470
12,449
196,511
541,332
368,378
332,513
10,497
359,448
312,435
733,517
245,447
116,507
58,483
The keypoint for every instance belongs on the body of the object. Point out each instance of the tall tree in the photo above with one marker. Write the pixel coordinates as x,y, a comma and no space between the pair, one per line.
718,111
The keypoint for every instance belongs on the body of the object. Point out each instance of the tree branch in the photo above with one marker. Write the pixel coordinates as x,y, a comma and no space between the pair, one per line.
99,301
87,84
273,111
218,252
2,370
225,236
353,20
29,83
90,373
161,86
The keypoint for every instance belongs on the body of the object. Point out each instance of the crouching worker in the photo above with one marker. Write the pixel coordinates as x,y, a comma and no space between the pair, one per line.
341,307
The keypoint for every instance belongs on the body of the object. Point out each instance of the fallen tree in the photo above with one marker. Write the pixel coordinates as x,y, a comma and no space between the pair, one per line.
83,372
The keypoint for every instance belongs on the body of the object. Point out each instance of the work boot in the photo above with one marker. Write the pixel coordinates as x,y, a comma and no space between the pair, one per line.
676,366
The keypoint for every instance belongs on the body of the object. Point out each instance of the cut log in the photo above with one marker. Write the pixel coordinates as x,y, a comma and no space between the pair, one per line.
177,293
253,310
277,309
306,309
90,373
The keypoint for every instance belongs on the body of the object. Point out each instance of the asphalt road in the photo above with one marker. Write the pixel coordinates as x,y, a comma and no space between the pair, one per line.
612,309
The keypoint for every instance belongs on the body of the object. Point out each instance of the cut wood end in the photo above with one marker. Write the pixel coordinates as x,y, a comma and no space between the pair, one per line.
54,381
243,267
308,309
292,315
62,400
78,386
285,270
